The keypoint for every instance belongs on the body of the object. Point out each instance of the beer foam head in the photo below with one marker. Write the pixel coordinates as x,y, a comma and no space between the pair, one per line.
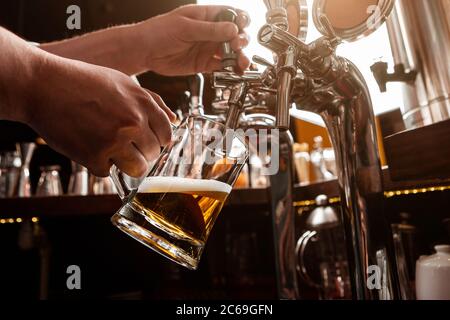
182,185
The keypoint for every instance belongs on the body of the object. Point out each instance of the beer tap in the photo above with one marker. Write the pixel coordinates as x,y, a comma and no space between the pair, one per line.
238,85
228,78
313,78
229,58
280,194
333,87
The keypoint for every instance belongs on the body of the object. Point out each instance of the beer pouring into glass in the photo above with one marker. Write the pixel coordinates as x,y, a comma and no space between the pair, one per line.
174,207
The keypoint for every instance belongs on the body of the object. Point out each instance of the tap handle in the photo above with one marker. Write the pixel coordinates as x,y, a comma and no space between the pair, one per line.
268,77
229,59
261,61
329,30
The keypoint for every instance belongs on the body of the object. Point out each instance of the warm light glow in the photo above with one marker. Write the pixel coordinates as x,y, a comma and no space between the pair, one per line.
16,220
363,53
40,141
387,194
310,203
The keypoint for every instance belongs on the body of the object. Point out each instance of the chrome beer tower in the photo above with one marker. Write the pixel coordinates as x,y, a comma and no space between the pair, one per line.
313,78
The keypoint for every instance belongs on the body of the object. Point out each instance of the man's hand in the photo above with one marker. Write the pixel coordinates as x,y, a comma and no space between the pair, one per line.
181,42
187,40
97,116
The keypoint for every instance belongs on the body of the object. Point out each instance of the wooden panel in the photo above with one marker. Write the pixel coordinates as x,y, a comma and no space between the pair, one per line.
331,189
388,123
306,131
243,198
100,205
422,153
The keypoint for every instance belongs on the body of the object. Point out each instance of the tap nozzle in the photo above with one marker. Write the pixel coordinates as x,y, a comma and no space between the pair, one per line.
196,85
238,86
286,73
287,48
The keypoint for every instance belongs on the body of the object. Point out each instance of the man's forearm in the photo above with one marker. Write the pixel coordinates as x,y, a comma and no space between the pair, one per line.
18,64
117,48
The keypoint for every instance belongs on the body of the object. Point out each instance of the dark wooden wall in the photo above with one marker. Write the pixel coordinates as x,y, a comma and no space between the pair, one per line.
45,20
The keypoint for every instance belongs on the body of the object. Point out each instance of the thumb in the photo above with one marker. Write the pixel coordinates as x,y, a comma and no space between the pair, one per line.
210,31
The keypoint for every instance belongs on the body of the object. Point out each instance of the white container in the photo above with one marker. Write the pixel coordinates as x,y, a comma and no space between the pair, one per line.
433,275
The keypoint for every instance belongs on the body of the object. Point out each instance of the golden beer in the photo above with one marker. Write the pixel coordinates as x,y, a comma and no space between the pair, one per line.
172,212
185,208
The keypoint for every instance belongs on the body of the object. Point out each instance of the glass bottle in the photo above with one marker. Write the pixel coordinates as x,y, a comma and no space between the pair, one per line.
319,167
302,162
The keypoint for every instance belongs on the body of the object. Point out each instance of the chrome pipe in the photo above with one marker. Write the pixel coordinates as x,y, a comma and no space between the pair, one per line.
283,100
346,108
287,73
196,85
283,219
236,104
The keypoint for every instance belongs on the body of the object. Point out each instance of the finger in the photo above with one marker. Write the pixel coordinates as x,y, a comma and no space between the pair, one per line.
243,20
148,144
202,12
172,116
209,31
213,64
160,124
240,42
100,170
210,12
237,44
131,161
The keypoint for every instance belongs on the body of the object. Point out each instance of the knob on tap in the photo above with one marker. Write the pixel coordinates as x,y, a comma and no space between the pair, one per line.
229,59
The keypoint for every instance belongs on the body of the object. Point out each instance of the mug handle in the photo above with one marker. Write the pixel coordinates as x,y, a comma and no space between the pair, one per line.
124,190
300,254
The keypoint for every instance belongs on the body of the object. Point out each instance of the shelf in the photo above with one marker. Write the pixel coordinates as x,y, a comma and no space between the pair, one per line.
108,204
99,205
420,154
57,206
331,188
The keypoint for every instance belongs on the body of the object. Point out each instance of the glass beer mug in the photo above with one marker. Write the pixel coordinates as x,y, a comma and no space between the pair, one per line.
173,208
